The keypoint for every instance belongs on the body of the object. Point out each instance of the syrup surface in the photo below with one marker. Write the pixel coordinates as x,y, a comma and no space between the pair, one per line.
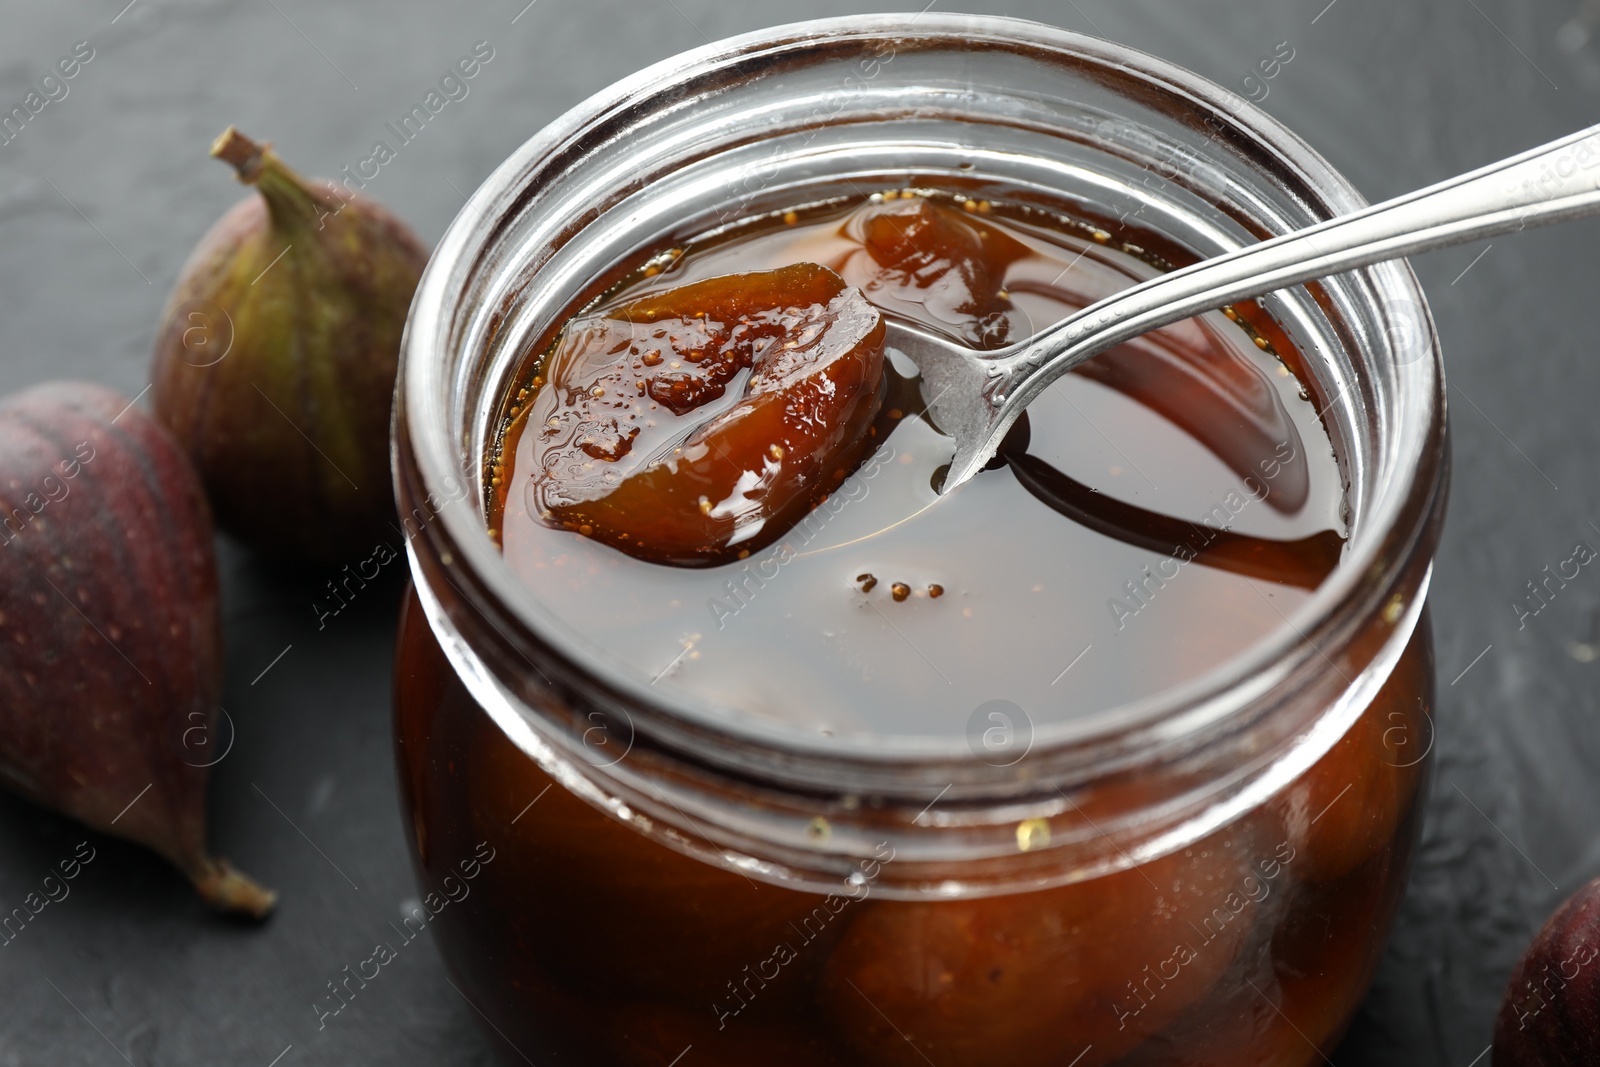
1171,503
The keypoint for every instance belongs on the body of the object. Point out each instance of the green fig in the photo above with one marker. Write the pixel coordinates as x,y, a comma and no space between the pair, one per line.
275,364
110,630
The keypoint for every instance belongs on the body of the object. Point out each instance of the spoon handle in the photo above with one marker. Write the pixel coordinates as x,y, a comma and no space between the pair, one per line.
1558,181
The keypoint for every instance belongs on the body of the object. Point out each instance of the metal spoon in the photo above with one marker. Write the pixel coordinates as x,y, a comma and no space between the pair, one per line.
975,397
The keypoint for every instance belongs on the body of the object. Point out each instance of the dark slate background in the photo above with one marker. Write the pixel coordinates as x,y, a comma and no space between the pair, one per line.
105,192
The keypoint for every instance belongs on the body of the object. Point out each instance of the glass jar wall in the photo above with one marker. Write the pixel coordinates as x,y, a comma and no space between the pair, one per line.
584,940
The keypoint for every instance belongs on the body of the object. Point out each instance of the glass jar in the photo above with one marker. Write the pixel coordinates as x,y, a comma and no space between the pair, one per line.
620,873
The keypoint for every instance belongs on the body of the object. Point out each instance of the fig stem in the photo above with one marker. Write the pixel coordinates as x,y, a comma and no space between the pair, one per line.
293,202
245,155
229,890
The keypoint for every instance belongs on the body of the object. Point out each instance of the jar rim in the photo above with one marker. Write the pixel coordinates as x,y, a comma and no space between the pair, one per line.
1403,510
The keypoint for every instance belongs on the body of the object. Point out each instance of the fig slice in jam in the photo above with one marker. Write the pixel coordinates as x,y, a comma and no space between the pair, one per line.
695,425
926,253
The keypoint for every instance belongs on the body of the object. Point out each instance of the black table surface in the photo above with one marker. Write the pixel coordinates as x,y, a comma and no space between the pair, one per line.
105,192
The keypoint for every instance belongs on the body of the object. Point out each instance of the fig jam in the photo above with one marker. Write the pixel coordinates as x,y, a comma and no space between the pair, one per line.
612,461
1160,511
1171,502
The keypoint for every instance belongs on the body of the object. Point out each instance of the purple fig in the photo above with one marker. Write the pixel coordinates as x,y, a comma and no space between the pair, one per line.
275,364
110,630
1551,1014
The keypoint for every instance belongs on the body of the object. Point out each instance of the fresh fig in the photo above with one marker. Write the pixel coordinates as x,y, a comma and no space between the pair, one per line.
275,363
1551,1014
110,630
